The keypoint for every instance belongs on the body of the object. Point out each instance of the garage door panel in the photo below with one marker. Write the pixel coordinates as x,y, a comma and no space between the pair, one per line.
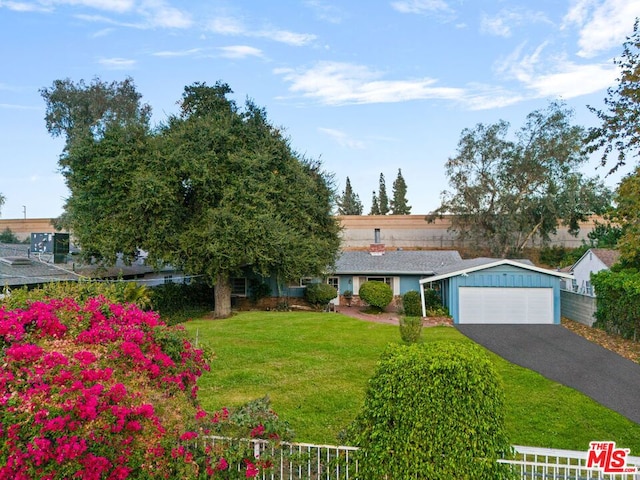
505,305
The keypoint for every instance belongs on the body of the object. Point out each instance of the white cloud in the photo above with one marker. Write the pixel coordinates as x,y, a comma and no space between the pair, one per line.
335,83
342,138
234,27
502,24
23,6
421,6
118,6
324,11
603,25
240,51
177,53
159,14
117,63
549,76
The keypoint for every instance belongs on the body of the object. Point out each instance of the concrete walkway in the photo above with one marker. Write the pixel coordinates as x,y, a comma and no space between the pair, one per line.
560,355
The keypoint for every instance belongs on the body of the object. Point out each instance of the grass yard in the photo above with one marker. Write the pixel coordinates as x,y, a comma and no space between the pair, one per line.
315,369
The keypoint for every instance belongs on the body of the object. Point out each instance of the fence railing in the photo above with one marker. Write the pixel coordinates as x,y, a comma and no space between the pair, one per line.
298,461
550,464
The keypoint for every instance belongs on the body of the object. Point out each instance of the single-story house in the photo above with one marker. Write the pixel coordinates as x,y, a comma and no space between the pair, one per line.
593,261
401,269
489,290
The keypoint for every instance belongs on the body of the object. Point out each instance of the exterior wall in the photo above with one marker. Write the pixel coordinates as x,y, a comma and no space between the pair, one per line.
500,276
23,228
582,272
413,231
577,307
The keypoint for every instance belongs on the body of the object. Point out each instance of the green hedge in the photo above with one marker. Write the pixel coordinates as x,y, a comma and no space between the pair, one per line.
376,294
320,293
433,411
618,301
411,304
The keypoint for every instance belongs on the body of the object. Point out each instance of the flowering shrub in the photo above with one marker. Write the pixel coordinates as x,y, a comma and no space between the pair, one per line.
88,391
107,391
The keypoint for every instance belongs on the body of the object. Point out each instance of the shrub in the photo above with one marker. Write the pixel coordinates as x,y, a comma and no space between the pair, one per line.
410,329
618,301
432,411
320,293
411,304
7,236
376,294
258,290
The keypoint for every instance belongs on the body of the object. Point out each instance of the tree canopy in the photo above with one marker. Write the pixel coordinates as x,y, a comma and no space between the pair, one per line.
375,205
349,202
216,190
399,204
620,128
505,193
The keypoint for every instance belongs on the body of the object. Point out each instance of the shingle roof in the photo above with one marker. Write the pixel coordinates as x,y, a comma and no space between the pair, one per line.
419,262
606,255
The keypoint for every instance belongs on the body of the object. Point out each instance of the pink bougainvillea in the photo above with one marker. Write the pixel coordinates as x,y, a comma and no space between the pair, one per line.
78,385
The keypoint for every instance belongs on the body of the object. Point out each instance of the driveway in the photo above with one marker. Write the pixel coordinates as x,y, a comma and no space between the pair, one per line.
560,355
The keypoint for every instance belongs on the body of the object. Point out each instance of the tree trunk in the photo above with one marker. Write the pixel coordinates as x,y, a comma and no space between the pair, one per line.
222,295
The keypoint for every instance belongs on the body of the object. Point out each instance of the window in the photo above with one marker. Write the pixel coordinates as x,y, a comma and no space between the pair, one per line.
168,279
387,280
334,282
304,281
239,287
376,235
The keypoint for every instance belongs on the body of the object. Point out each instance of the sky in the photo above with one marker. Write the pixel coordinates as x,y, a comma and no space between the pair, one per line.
365,86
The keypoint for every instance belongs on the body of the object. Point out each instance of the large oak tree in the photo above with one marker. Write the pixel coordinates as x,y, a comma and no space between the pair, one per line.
216,190
505,193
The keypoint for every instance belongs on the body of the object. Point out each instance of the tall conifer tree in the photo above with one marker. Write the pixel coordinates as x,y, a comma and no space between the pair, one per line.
375,206
383,199
349,202
399,205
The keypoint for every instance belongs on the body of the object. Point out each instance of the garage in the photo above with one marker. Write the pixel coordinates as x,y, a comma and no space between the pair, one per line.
497,291
506,305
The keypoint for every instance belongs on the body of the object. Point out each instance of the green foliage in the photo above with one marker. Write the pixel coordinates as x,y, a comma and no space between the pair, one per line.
349,202
506,193
605,235
410,329
618,301
433,411
558,256
115,292
258,290
375,205
376,294
177,302
320,293
399,204
215,188
383,199
627,215
411,304
7,236
619,129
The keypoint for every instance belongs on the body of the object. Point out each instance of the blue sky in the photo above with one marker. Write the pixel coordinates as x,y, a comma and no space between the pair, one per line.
367,86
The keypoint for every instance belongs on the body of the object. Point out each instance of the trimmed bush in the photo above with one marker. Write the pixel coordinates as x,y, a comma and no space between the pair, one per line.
411,304
618,301
410,329
376,294
435,412
320,293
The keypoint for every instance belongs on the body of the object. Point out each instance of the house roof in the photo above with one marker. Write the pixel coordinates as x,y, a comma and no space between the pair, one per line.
472,265
395,262
607,256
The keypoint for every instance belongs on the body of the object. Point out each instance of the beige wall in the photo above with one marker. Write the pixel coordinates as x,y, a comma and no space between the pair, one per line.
413,231
24,228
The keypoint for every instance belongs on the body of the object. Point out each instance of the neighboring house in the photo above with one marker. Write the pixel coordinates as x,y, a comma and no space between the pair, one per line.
593,261
489,290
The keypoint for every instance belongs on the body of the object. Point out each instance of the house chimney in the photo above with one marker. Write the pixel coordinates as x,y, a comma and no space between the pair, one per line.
376,249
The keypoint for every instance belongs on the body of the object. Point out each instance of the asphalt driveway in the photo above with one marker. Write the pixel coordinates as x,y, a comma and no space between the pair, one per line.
560,355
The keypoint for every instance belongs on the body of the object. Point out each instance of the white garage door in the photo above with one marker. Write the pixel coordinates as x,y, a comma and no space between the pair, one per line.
506,305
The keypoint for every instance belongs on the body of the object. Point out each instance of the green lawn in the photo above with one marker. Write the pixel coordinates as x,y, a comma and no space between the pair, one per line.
315,368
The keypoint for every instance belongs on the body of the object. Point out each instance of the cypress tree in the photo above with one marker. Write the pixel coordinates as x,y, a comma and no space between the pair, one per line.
383,199
375,207
399,205
349,202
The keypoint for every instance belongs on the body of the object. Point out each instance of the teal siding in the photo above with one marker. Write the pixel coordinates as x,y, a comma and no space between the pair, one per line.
408,283
500,276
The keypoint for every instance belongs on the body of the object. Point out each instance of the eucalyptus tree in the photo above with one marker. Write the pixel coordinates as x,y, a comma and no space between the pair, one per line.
505,193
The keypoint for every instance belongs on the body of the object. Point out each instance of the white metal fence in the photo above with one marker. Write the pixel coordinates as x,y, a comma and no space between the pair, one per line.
550,464
298,461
